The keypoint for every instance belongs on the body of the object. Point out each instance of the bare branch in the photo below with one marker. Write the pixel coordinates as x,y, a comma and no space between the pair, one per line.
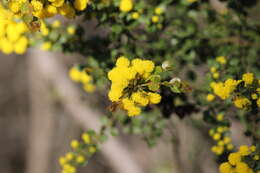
120,158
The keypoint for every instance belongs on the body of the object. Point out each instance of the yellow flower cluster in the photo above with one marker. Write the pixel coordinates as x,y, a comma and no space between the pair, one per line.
47,8
242,102
71,30
81,76
236,163
12,33
210,97
157,17
248,78
135,15
224,89
222,138
220,60
82,151
129,84
55,28
126,5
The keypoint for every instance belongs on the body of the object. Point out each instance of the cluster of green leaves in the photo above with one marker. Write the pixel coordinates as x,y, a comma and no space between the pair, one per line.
190,36
149,125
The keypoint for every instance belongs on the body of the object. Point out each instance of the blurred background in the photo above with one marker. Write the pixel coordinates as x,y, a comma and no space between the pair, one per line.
41,111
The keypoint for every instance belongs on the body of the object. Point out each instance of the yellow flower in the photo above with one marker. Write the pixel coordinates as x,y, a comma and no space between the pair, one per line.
155,19
7,47
129,105
56,24
92,149
252,148
256,157
220,129
242,167
258,102
135,15
74,144
122,62
254,96
216,75
213,69
114,95
221,143
216,136
75,74
67,10
50,10
220,117
221,60
129,81
62,161
148,66
133,111
69,168
244,150
69,156
219,150
214,149
126,5
158,10
210,97
86,138
140,98
224,90
230,146
85,77
46,46
248,78
89,87
242,102
80,4
234,158
80,159
15,6
21,45
226,140
154,98
71,30
57,3
225,168
37,5
44,30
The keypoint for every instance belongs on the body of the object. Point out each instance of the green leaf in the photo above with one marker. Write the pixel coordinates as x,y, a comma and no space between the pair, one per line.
103,138
104,120
158,70
176,89
92,62
154,86
114,131
116,29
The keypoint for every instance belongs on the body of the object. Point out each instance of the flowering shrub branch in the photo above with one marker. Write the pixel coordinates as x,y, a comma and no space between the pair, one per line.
207,65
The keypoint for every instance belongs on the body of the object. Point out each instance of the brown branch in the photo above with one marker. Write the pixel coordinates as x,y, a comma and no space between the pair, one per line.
220,7
41,124
120,158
